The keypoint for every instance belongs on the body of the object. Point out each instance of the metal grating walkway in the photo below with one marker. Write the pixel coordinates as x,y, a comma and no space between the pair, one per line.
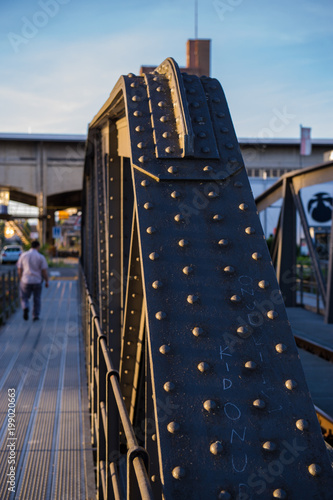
48,444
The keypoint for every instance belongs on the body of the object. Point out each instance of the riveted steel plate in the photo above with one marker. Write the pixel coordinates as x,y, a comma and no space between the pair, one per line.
215,140
234,415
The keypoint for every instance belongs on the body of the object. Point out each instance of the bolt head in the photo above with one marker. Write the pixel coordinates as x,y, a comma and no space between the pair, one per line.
250,365
290,384
160,315
269,446
263,284
250,230
229,270
203,367
192,299
302,425
235,298
151,230
154,256
169,386
256,256
314,469
172,170
224,495
197,331
157,284
145,183
148,206
218,218
175,194
243,207
165,349
183,243
224,242
280,348
259,403
188,270
216,448
209,405
178,472
279,493
178,217
173,427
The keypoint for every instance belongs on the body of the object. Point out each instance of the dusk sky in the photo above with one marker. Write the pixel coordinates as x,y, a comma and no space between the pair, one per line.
61,58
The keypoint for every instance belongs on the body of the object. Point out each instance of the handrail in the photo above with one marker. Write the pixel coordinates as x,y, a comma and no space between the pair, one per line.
100,375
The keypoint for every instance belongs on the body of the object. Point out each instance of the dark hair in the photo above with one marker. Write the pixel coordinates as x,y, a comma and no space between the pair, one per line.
35,244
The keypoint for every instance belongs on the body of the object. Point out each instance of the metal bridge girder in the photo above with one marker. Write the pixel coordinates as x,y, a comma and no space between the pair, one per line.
233,417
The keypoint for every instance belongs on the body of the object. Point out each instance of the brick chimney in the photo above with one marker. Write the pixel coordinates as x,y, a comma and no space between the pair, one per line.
198,57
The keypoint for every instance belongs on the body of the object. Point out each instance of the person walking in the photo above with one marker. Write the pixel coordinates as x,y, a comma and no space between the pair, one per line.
32,269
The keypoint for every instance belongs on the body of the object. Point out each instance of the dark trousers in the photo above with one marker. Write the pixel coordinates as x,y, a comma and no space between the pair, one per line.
26,290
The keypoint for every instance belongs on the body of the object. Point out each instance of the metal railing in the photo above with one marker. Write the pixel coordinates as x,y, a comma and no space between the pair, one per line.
9,293
307,287
108,413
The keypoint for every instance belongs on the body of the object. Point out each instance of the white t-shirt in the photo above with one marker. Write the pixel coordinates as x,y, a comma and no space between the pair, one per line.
32,263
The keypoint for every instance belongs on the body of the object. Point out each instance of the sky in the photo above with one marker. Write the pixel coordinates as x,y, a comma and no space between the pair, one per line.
60,59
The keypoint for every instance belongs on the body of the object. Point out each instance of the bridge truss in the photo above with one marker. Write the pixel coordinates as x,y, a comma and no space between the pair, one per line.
196,388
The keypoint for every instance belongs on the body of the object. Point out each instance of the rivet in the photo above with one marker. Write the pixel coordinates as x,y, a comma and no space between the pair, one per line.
224,242
164,349
178,472
202,135
203,367
229,269
136,98
159,89
188,270
183,243
169,150
217,217
197,331
151,230
141,145
199,119
216,448
205,149
238,184
235,298
224,495
250,230
175,194
172,170
269,446
142,159
169,386
216,100
131,75
191,90
153,478
154,256
225,130
209,405
208,168
290,384
160,315
212,194
243,207
220,115
196,104
259,403
256,256
173,427
192,299
314,469
233,161
250,365
178,217
243,330
166,135
157,284
229,145
280,348
162,104
279,493
164,119
139,128
302,424
137,113
272,314
263,284
148,206
145,183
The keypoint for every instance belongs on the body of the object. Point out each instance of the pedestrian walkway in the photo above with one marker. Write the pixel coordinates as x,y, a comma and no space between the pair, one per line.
45,450
318,371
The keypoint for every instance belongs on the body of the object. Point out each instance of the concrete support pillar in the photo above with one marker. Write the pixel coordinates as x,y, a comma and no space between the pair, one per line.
41,185
49,225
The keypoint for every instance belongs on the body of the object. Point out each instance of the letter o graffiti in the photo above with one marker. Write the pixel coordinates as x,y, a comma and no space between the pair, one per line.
228,413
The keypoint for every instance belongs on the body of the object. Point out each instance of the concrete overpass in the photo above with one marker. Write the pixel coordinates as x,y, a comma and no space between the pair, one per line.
44,170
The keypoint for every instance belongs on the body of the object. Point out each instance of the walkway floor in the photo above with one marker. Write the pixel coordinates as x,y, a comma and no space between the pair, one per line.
45,450
318,371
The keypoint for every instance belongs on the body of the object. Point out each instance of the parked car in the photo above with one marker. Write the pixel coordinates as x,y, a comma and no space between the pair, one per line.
10,253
